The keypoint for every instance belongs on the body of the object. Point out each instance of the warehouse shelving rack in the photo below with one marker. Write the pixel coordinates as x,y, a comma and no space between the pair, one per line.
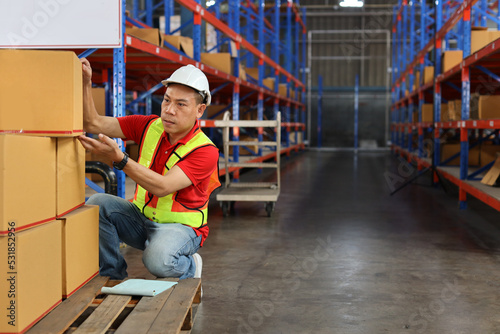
137,68
420,35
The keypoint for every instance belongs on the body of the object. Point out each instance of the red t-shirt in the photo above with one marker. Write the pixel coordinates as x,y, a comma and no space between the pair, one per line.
198,165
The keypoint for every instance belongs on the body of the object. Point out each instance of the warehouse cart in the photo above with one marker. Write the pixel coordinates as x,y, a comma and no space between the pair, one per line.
250,191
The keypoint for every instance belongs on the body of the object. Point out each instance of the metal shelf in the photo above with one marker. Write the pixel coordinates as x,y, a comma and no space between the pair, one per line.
438,27
139,66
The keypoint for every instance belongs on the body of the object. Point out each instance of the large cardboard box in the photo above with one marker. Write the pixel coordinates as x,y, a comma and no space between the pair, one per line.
480,37
428,74
489,107
451,59
80,248
427,112
179,42
70,192
28,180
150,35
220,61
247,149
488,153
41,92
450,149
31,284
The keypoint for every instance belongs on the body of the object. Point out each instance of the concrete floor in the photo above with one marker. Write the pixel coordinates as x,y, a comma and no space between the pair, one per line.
339,255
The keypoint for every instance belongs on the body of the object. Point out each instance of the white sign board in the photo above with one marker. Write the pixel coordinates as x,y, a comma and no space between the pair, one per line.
60,24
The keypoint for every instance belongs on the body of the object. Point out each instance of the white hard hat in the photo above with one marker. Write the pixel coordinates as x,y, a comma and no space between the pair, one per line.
192,77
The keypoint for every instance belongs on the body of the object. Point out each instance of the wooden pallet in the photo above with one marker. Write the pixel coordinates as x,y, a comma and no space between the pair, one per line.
88,311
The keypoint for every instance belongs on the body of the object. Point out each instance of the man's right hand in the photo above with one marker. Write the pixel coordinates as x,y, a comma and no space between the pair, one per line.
86,71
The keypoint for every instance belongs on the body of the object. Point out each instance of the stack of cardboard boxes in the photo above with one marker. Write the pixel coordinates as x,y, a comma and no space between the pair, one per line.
48,236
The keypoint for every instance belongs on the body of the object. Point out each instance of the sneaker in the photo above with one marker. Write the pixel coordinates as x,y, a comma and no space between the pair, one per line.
199,265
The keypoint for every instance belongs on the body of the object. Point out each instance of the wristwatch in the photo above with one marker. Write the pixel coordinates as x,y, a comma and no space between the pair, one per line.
122,163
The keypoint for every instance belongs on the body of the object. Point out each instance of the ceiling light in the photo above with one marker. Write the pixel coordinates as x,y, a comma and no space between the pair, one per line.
351,3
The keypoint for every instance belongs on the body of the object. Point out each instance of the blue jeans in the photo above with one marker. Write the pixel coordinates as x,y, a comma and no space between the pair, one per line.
168,248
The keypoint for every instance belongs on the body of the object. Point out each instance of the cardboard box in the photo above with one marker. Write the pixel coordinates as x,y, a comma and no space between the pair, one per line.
253,72
99,97
489,107
455,110
450,149
41,92
451,59
428,74
220,61
150,35
80,248
133,150
488,153
296,137
213,110
248,149
269,83
417,80
480,37
444,112
182,43
28,180
70,192
427,112
31,283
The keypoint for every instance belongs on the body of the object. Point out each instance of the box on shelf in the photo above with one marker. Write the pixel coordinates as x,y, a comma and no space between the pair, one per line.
428,74
41,92
488,107
253,72
444,112
28,180
451,59
133,150
427,112
70,192
480,37
450,149
80,247
416,84
99,97
295,137
213,109
221,61
150,35
182,43
248,149
488,153
455,110
31,283
269,83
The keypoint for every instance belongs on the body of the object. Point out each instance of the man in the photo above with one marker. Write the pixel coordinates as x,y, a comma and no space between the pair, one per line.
175,174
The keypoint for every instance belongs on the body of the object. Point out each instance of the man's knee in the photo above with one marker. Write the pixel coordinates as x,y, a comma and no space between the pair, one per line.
97,199
160,263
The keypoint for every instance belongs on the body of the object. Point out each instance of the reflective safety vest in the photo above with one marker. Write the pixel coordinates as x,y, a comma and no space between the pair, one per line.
167,209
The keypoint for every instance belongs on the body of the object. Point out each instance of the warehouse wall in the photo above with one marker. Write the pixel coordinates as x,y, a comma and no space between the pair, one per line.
343,55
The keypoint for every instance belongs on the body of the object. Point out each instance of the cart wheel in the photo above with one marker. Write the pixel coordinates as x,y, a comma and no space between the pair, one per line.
225,209
269,208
